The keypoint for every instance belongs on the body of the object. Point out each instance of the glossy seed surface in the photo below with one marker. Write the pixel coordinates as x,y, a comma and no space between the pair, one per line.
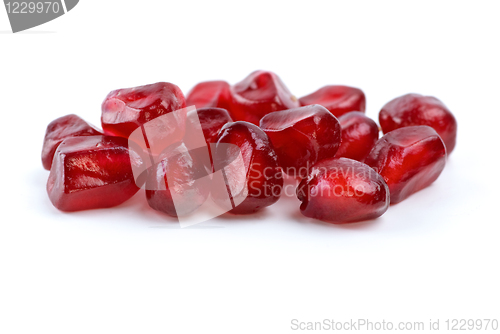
343,191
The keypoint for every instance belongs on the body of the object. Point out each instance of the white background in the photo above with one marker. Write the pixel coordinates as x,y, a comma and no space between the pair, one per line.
132,270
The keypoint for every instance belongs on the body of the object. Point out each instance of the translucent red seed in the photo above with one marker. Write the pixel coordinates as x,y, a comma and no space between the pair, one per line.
60,129
212,120
92,172
416,109
259,94
209,94
409,159
338,99
124,110
178,184
359,134
302,136
261,182
343,191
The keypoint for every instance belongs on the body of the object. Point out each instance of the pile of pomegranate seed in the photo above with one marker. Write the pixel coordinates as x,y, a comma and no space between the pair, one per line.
252,134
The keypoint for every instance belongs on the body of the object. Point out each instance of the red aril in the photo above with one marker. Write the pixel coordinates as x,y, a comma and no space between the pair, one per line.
92,172
60,129
259,94
212,120
409,159
302,136
258,179
416,109
343,191
124,110
179,183
338,99
209,94
359,134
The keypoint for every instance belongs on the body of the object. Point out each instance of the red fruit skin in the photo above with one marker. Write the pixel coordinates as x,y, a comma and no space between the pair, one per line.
259,94
343,191
416,109
409,159
338,99
359,134
60,129
302,136
124,110
187,172
91,172
264,178
209,94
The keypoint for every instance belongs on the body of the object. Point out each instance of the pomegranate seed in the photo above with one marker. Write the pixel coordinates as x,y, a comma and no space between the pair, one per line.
409,159
359,134
259,94
343,191
338,99
124,110
416,109
60,129
209,94
212,120
178,184
263,181
91,172
302,136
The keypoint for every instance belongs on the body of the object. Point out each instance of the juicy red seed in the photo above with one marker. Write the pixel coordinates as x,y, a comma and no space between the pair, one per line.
343,191
409,159
177,185
302,136
212,120
416,109
209,94
359,134
263,180
91,172
124,110
338,99
259,94
60,129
